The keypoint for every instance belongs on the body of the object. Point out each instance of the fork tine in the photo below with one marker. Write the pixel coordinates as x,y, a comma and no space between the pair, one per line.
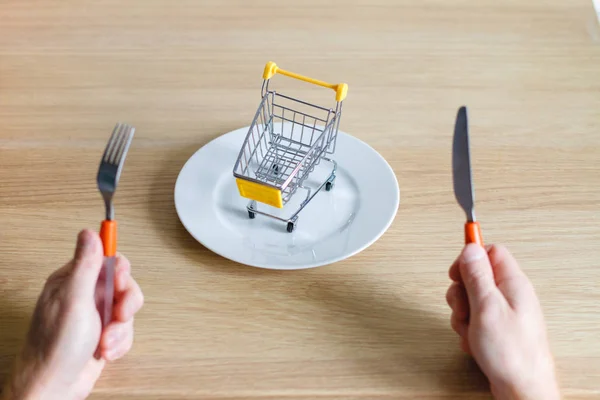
127,137
109,145
116,144
113,144
121,145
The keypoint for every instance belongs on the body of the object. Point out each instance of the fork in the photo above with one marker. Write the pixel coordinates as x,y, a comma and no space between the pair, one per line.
109,173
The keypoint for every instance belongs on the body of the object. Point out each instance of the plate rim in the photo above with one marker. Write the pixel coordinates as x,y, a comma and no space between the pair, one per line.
331,260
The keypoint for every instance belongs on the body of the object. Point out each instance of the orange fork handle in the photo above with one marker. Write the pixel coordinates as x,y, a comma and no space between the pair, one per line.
108,234
473,233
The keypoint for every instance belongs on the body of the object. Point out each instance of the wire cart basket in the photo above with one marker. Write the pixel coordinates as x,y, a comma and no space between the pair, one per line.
287,139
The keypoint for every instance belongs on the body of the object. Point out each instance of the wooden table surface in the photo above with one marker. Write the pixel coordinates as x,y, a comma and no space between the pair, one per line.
373,326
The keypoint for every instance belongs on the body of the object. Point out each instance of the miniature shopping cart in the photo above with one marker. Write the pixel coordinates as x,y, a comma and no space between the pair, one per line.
287,139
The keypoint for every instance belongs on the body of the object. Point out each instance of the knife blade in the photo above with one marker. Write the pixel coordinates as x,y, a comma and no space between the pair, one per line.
463,178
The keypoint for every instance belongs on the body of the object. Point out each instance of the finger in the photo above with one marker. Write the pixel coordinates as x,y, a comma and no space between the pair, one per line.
459,325
121,282
464,345
122,264
457,299
122,272
504,264
477,275
60,274
511,280
87,263
122,276
454,271
450,295
115,334
121,347
129,300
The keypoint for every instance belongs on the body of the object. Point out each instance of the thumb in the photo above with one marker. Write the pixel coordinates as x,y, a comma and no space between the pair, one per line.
87,263
477,275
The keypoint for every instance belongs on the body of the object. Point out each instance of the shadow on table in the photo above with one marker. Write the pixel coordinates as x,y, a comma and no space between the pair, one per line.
411,348
391,340
14,322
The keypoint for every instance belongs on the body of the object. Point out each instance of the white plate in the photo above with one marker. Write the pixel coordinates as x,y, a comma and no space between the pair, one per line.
334,225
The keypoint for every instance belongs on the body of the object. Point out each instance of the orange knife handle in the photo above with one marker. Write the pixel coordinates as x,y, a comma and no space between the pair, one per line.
473,233
108,234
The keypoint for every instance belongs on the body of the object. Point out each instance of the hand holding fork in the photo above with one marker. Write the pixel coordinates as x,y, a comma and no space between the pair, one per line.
109,173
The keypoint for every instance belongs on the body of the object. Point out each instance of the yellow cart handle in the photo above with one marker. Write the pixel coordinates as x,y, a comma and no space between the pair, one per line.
341,90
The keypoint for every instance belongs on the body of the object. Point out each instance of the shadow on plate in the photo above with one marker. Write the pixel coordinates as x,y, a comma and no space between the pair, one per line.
164,215
238,213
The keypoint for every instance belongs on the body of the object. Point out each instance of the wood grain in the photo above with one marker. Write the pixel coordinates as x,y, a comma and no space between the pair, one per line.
374,326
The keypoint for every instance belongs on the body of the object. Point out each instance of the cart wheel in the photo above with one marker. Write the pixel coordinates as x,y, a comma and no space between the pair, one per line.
251,214
329,186
290,227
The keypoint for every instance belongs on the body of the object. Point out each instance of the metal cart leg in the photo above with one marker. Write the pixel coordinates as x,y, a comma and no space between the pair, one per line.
252,209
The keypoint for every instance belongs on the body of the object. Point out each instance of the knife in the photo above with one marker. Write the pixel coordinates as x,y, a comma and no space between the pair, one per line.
463,179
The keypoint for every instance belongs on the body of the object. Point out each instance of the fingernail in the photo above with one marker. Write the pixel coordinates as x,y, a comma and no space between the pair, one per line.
473,252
